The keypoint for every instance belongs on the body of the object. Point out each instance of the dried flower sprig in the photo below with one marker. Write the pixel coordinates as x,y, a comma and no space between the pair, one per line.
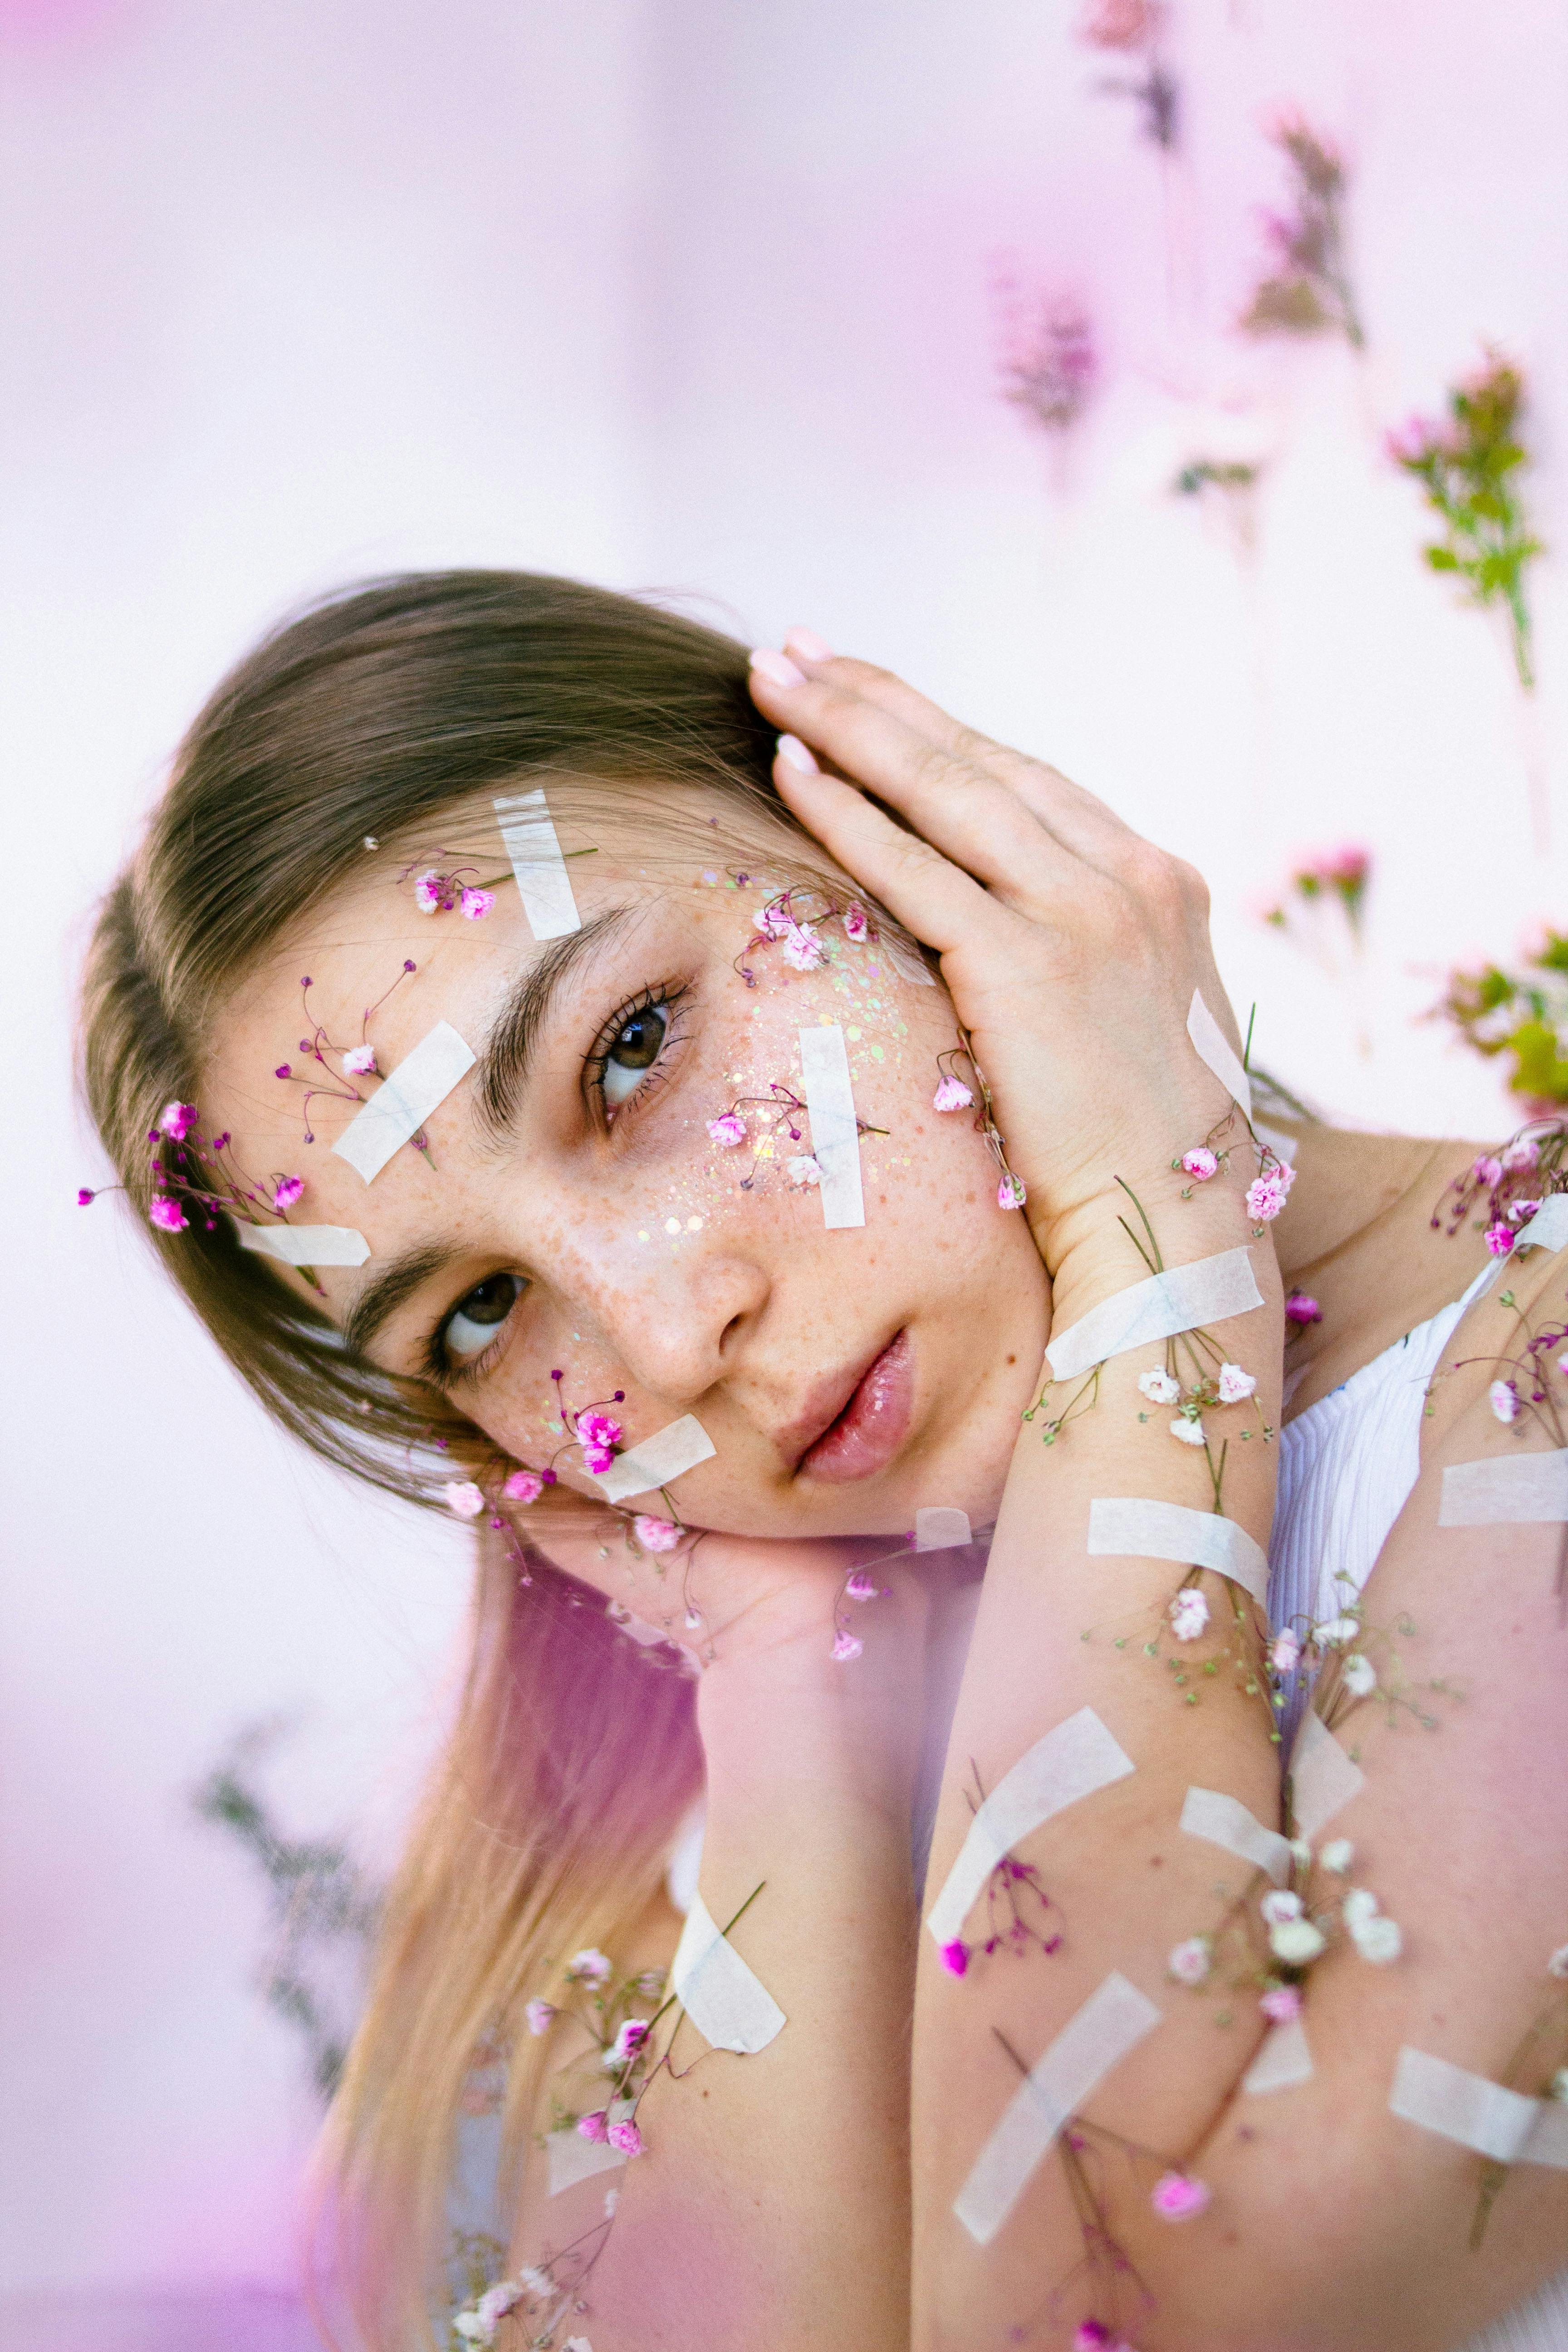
356,1061
1048,360
954,1093
196,1175
1537,2067
1467,466
792,921
1524,1014
1134,28
774,1114
1319,883
1307,289
1017,1909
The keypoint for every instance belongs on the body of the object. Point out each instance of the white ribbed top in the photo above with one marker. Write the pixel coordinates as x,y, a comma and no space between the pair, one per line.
1347,1466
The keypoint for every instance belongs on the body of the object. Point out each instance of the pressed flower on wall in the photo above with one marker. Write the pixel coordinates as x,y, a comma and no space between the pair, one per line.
1307,290
1047,359
1522,1012
1134,30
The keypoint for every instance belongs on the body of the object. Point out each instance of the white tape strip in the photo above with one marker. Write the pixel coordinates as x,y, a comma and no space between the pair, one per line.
1548,1229
572,2159
1282,2062
1179,1299
941,1528
542,881
304,1245
1113,2020
1323,1777
1226,1821
1512,1489
830,1108
1213,1048
680,1445
727,2004
1071,1761
1126,1525
1463,2106
404,1100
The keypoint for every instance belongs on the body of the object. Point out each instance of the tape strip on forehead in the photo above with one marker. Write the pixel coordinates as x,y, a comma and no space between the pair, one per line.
304,1245
404,1100
528,833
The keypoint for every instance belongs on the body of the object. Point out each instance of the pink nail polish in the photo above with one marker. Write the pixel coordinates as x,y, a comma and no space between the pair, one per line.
777,669
793,753
809,645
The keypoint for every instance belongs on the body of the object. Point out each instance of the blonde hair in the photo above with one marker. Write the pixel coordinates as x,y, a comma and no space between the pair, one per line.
574,1756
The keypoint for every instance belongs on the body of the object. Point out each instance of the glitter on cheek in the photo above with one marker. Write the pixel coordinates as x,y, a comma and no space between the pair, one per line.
672,1224
694,1224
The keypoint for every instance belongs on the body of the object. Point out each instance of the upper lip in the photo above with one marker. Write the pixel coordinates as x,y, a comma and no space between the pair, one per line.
825,1400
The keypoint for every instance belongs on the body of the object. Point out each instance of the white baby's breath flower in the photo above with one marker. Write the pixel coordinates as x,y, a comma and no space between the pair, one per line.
803,1171
1379,1941
612,2198
1302,1853
1280,1905
1234,1384
1335,1631
536,2280
1189,1613
1189,1963
1296,1942
1360,1675
1190,1432
1359,1905
1159,1387
1337,1855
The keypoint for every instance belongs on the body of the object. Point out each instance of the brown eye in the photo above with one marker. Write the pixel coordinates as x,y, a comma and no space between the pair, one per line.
632,1052
475,1321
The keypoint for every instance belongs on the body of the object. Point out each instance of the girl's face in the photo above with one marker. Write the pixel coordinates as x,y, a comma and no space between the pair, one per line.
576,1213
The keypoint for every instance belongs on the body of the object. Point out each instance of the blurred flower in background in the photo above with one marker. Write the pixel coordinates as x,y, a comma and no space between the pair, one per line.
1523,1013
1134,28
1308,290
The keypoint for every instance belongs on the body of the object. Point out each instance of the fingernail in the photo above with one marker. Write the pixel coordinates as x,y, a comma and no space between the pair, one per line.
777,669
809,645
793,753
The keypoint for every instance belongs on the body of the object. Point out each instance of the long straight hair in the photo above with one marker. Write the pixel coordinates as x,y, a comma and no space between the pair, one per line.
379,713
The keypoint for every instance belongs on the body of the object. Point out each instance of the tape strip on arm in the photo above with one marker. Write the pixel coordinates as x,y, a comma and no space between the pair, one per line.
1182,1298
1221,1821
1129,1527
1217,1052
730,2006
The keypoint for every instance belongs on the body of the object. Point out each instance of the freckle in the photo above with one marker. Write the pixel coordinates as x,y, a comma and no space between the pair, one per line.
1012,1359
1155,1860
672,1224
969,1199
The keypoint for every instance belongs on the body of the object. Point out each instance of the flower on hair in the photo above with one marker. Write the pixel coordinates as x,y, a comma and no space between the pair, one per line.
1503,1397
166,1214
772,921
856,924
1189,1430
655,1534
1234,1385
1281,2004
1301,1309
177,1119
84,1198
951,1094
463,1498
290,1189
427,895
625,2136
1359,1676
541,2015
1159,1387
802,948
1285,1651
1010,1192
1266,1194
803,1172
589,1968
1177,2197
1337,1855
360,1061
727,1130
523,1487
1189,1613
477,904
595,2127
1190,1962
1201,1163
955,1957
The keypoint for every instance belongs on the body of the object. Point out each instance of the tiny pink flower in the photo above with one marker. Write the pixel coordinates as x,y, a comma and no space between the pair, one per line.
955,1957
1266,1197
1281,2004
863,1586
590,1967
1091,2337
595,2127
463,1497
1189,1614
627,2042
1303,1309
1200,1162
540,2015
951,1094
846,1644
1500,1239
1524,1153
1285,1651
1189,1963
1488,1171
727,1130
290,1189
802,948
803,1172
772,921
84,1199
359,1061
1010,1192
166,1214
1177,2197
177,1119
428,894
597,1460
655,1534
625,2136
523,1487
596,1429
1234,1384
1519,1209
477,904
1280,1905
1503,1397
856,924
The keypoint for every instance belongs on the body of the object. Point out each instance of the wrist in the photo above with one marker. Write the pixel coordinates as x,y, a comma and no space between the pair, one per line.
1106,1246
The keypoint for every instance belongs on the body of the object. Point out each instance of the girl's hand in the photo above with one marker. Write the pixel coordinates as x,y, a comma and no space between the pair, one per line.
1070,947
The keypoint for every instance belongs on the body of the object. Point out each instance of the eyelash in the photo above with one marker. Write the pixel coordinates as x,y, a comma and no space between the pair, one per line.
439,1367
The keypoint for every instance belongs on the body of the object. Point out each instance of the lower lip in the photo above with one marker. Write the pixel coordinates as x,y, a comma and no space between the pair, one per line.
872,1425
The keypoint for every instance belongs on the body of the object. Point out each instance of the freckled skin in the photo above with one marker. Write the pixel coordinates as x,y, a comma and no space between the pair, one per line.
738,1319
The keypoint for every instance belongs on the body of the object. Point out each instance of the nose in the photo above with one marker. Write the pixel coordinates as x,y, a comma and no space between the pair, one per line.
679,1320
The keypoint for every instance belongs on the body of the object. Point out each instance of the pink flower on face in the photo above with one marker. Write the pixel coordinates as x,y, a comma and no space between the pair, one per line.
595,2127
1200,1163
951,1094
428,894
1281,2004
1177,2197
1301,1311
625,2136
477,904
596,1429
1010,1192
846,1644
1285,1651
627,2042
290,1189
523,1487
166,1214
1265,1196
802,948
359,1060
1234,1385
1500,1239
1488,1171
1189,1613
177,1119
462,1497
772,921
727,1130
955,1957
863,1586
655,1534
856,924
540,2015
1503,1397
1523,1154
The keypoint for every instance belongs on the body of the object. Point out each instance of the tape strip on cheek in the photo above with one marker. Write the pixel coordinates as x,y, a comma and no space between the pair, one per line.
1181,1300
1511,1489
1126,1525
404,1100
1467,2107
1282,2061
834,1139
941,1528
1215,1050
1323,1777
1113,2020
729,2006
679,1446
1071,1761
304,1245
572,2159
543,884
1226,1821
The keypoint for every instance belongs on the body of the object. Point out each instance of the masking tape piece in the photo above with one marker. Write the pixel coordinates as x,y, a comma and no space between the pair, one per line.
1113,2020
572,2159
942,1528
727,2004
1548,1229
680,1445
834,1139
1226,1821
528,831
1071,1761
1462,2107
1126,1524
1283,2059
1213,1048
1548,2141
404,1100
1511,1489
906,962
1179,1299
304,1245
1323,1777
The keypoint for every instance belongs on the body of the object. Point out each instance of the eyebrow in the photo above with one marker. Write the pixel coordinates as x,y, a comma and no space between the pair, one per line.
503,1070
